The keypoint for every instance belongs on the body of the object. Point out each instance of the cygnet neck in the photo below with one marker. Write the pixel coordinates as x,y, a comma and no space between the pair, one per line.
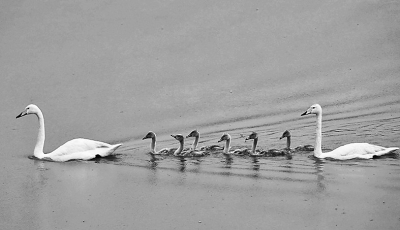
179,150
227,146
195,142
153,144
288,142
253,150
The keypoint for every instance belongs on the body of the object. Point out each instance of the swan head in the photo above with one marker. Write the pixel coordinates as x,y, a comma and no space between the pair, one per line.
194,133
30,109
149,135
285,134
225,137
314,109
252,136
178,137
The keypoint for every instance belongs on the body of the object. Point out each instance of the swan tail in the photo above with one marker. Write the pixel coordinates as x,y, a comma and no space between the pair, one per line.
376,154
386,151
113,148
109,150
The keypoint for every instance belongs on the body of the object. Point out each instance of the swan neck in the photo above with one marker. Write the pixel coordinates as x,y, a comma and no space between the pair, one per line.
179,150
227,146
253,150
195,142
288,139
153,144
318,139
38,152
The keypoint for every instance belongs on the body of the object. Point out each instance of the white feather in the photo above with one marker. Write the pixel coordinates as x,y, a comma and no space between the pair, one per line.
76,149
345,152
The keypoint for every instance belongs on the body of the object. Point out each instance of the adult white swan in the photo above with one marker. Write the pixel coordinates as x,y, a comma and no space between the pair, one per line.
76,149
345,152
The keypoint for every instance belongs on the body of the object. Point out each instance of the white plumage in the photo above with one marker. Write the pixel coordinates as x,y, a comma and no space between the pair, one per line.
76,149
345,152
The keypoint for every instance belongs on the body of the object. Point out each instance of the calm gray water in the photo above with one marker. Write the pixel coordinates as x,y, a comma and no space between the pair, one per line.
112,71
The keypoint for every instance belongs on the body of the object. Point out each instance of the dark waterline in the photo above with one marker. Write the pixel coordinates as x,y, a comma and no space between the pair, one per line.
114,71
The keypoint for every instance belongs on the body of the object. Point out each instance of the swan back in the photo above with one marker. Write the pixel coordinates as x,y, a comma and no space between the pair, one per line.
86,155
79,145
358,150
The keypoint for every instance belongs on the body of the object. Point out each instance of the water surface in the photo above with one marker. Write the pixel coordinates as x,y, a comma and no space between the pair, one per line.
112,71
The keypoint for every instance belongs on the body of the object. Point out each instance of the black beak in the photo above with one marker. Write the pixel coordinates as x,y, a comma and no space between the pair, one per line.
282,137
21,114
305,113
144,138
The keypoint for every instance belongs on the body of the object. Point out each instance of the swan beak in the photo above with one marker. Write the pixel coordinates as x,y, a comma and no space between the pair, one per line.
305,113
174,136
220,141
22,114
282,137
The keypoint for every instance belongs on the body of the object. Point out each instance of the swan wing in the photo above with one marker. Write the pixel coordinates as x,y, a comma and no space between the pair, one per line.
358,150
78,145
86,155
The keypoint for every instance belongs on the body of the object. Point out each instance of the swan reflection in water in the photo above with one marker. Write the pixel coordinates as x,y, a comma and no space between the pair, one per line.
319,167
182,162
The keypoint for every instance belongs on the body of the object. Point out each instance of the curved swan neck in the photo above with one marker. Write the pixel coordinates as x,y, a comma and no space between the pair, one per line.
253,150
318,139
38,152
288,142
153,144
195,142
227,146
179,150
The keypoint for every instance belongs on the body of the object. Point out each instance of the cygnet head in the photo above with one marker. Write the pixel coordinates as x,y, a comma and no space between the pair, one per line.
225,137
285,134
150,134
252,136
178,137
30,109
314,109
194,133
